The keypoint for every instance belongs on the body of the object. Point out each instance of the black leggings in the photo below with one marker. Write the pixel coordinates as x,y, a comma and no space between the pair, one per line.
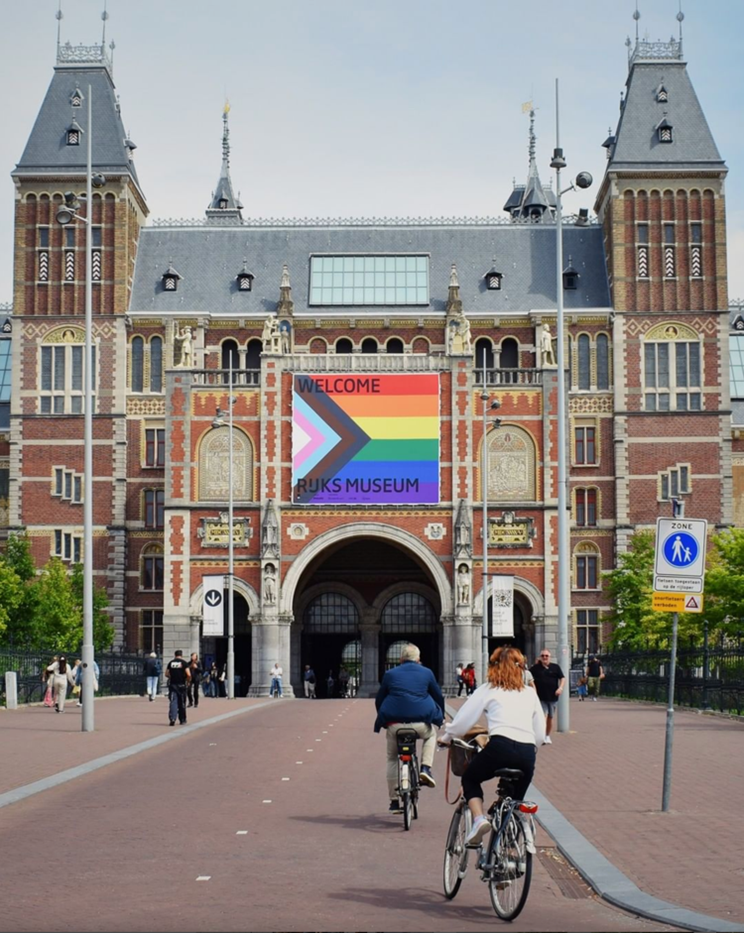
499,753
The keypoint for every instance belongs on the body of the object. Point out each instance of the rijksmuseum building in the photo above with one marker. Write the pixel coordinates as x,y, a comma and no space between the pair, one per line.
362,355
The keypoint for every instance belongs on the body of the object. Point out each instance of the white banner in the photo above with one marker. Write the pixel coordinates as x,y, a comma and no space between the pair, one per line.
502,606
213,606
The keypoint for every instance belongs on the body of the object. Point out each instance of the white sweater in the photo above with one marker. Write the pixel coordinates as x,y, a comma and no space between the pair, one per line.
515,714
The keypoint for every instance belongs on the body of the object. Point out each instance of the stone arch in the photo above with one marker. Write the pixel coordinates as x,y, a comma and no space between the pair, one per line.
367,530
395,589
421,345
212,460
311,593
512,461
671,330
318,345
521,586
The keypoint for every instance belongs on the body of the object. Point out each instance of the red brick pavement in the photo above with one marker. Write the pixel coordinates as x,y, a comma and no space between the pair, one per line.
323,854
36,742
605,776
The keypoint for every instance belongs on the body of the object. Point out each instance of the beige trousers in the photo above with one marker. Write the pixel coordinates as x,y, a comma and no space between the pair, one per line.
59,689
423,730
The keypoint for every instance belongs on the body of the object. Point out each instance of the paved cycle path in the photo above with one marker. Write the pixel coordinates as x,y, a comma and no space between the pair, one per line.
282,814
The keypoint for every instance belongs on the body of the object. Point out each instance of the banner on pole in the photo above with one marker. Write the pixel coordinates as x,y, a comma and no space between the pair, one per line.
213,606
502,606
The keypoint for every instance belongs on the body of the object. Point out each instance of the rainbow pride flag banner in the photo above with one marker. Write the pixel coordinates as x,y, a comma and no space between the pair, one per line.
365,437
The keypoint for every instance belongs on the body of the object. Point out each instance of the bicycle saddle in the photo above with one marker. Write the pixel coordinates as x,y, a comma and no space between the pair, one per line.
509,774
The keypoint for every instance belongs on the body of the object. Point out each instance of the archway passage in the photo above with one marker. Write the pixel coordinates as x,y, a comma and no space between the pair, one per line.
242,645
355,600
519,639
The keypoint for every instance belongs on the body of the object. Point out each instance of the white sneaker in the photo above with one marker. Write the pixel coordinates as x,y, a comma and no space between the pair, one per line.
548,740
478,833
529,835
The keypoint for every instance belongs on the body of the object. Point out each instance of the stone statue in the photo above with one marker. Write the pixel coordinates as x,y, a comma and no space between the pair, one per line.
463,585
547,357
459,338
270,532
270,336
285,337
269,584
186,358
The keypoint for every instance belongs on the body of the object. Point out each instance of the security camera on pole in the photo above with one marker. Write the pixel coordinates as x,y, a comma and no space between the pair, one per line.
67,214
583,180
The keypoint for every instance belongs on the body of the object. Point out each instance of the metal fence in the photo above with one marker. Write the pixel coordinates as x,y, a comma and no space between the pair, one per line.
707,676
121,673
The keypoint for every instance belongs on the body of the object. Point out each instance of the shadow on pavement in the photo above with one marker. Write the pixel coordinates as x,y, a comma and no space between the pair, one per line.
419,899
373,823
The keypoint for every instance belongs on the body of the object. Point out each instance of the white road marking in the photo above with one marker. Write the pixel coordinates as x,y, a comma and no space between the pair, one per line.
285,779
204,878
242,832
298,762
267,801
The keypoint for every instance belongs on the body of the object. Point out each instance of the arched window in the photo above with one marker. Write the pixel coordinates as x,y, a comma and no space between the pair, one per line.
672,369
156,364
330,613
151,567
511,471
587,568
394,345
253,355
369,345
509,358
61,390
344,345
408,613
603,362
214,466
230,360
483,354
585,365
138,364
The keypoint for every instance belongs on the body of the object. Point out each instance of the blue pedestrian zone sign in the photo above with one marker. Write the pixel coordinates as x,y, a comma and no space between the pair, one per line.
681,549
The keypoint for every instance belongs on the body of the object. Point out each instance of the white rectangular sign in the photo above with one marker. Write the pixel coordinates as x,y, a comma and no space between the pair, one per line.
213,606
502,606
680,547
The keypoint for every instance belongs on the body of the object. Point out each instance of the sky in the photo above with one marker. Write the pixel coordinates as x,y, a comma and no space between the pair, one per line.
351,108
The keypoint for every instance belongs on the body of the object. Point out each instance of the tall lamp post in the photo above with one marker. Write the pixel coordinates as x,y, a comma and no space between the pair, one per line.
218,422
583,180
68,213
484,469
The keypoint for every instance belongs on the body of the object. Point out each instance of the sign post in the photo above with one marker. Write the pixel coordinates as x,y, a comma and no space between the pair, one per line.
213,611
679,572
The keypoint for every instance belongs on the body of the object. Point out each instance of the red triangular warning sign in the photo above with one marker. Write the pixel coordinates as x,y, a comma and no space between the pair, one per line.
692,603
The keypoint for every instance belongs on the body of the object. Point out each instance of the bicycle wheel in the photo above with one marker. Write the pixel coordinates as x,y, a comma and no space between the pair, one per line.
455,853
407,810
511,875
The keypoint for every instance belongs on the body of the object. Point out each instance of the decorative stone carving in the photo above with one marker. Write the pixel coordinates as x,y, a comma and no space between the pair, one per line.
511,457
547,356
269,584
214,466
270,336
270,532
185,340
463,532
435,531
297,531
463,585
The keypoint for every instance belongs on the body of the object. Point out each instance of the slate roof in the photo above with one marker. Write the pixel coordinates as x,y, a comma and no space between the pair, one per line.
210,257
637,146
47,151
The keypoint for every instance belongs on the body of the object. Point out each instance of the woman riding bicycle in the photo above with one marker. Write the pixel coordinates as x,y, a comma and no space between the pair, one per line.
516,726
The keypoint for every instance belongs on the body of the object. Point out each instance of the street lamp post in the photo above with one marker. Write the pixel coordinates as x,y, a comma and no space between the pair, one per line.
583,180
219,422
484,469
65,215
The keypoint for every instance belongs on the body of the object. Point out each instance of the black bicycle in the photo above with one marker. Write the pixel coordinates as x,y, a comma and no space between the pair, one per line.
409,783
505,862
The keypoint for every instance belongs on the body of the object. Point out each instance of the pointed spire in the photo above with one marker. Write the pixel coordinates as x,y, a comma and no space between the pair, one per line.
286,305
454,302
531,201
225,207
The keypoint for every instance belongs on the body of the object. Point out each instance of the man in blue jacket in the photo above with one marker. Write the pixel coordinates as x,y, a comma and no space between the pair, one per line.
409,697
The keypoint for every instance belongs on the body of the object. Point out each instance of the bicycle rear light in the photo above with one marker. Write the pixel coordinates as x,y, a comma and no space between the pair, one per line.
528,807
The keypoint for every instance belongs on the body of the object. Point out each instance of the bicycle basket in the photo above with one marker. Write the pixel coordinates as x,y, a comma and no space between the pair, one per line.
459,759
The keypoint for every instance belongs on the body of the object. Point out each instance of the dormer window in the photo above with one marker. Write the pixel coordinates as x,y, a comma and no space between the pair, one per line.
244,279
73,134
77,98
664,130
738,323
222,204
170,279
662,95
493,278
570,277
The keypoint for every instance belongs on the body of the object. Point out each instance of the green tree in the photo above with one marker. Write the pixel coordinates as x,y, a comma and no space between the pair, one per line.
724,582
58,619
22,614
103,630
11,596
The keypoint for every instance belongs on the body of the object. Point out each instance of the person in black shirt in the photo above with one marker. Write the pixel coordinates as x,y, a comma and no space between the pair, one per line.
196,671
178,675
549,681
594,674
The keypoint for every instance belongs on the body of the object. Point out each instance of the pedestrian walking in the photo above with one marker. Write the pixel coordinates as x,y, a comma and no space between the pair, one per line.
458,677
178,674
222,681
214,676
153,670
78,679
549,682
330,685
581,689
61,676
468,675
196,671
594,674
309,680
275,690
343,682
